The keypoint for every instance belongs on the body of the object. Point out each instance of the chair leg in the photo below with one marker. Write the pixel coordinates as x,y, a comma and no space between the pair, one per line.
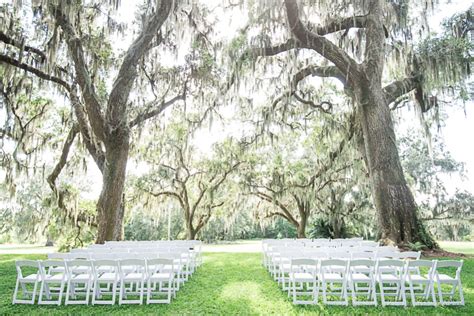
141,291
15,293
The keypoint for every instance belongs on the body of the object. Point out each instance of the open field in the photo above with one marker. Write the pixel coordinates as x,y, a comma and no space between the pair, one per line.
466,247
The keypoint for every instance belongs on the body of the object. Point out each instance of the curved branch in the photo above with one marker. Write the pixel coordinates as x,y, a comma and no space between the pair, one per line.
398,88
148,115
51,179
116,105
11,41
358,21
76,50
319,43
39,73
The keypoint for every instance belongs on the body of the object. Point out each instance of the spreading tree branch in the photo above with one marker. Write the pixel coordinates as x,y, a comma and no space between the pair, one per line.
317,42
93,107
39,73
398,88
152,113
22,46
51,179
116,106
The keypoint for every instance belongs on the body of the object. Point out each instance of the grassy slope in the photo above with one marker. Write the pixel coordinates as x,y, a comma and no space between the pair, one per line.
228,283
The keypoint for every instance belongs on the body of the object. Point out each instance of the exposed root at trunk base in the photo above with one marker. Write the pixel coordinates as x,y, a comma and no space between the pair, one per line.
435,253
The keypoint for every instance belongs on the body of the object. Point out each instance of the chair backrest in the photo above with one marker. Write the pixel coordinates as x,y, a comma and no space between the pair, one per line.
47,267
73,266
339,254
415,255
333,262
386,254
365,249
138,265
20,264
304,262
363,255
315,254
79,255
446,266
362,262
110,264
58,255
100,256
391,266
368,243
156,264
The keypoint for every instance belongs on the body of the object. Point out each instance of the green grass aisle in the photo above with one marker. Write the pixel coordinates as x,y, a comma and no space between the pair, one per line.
227,284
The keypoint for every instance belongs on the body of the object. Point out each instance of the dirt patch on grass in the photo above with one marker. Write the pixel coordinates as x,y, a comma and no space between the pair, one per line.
443,253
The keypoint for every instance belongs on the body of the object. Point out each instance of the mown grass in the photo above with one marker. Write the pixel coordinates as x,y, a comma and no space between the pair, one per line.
227,284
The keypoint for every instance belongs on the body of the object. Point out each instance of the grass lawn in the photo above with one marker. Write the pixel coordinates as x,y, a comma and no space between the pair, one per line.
226,284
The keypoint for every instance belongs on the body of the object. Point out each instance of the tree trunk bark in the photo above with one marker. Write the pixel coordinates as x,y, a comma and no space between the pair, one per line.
190,233
394,202
301,228
110,207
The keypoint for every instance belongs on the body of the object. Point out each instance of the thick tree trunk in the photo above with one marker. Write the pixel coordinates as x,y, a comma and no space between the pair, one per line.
394,202
301,227
110,206
301,231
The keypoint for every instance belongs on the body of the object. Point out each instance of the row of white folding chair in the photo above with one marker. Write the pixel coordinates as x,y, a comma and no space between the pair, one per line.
320,274
193,255
280,255
279,263
184,267
115,274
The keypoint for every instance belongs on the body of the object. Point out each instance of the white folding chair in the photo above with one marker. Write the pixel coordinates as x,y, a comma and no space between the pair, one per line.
24,280
53,272
137,278
362,271
328,277
159,280
391,272
425,283
106,272
176,268
79,273
304,271
445,278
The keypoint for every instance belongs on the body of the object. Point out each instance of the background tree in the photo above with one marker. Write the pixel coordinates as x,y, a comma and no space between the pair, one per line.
353,44
76,56
197,184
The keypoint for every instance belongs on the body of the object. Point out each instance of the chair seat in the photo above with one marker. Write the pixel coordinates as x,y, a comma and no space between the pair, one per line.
83,277
360,277
446,278
108,276
389,278
419,278
104,269
134,277
160,277
80,270
31,277
332,276
302,277
54,277
286,267
53,270
176,267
